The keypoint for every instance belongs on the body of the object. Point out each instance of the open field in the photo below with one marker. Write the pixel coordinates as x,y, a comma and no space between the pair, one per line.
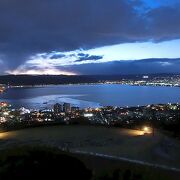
125,143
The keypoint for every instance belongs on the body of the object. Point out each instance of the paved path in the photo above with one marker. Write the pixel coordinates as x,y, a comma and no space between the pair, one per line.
127,160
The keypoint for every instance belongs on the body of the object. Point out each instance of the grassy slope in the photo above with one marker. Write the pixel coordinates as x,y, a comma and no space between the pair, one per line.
112,141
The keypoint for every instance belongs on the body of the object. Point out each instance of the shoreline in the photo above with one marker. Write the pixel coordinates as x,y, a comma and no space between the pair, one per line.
72,84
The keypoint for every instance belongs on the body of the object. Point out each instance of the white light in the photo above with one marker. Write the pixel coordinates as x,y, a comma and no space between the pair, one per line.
88,115
6,113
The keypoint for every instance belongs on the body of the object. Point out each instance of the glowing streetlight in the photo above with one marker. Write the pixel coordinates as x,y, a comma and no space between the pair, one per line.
147,130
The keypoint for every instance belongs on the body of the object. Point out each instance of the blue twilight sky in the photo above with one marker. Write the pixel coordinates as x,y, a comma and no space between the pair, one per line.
89,36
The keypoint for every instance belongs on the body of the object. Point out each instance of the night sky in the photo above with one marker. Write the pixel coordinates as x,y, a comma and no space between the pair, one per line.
89,36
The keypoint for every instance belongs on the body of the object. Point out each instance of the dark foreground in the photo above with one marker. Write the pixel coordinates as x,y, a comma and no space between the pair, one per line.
37,162
146,157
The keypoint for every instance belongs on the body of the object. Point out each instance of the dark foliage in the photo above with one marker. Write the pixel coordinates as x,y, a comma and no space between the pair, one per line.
41,163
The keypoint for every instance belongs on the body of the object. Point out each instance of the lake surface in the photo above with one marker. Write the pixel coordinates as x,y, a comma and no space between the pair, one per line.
90,95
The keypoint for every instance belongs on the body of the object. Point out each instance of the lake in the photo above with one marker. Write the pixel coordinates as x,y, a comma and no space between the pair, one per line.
90,95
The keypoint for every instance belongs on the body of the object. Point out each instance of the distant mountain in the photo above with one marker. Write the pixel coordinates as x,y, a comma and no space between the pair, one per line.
62,79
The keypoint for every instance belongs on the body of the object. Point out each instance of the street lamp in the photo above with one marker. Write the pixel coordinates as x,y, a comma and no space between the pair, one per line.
146,129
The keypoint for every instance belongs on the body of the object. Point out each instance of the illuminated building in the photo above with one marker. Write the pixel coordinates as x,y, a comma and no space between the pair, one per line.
67,107
73,109
57,108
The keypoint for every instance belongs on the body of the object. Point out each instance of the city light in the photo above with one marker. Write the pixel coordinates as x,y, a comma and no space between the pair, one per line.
5,113
88,115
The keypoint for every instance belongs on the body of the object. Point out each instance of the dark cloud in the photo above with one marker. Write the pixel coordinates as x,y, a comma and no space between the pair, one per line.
38,26
29,27
86,57
164,22
57,56
82,54
129,67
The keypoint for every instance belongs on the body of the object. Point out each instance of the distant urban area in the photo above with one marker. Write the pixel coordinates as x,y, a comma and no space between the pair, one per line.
163,116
